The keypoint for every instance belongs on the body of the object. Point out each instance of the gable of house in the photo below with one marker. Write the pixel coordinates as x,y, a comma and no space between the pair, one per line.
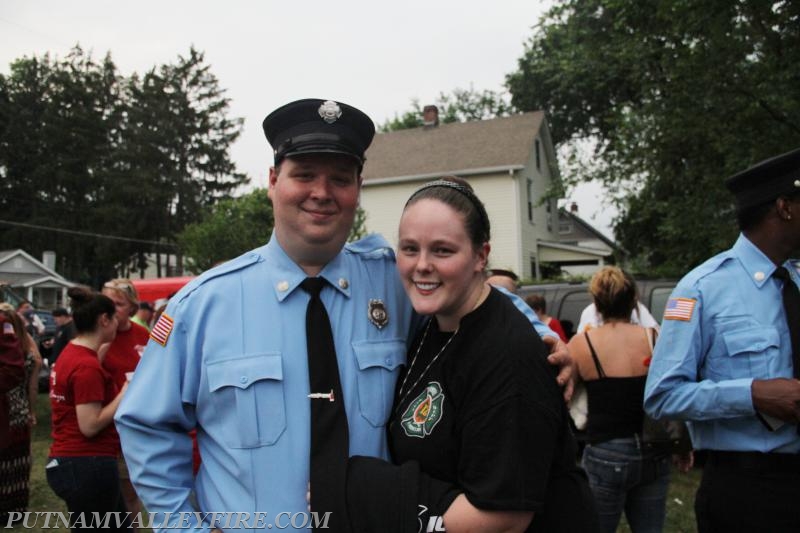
17,266
32,279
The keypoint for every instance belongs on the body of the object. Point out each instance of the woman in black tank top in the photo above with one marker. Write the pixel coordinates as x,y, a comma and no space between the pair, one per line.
612,361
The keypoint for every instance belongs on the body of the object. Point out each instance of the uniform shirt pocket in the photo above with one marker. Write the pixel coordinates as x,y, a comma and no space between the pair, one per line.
253,386
750,351
378,363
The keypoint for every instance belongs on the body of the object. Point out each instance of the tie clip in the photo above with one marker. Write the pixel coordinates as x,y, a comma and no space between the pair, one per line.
322,395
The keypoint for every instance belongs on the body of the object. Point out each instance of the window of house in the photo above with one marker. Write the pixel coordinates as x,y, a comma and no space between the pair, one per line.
564,228
538,157
530,200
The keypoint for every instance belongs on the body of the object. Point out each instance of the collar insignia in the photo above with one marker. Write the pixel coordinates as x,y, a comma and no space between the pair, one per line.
377,313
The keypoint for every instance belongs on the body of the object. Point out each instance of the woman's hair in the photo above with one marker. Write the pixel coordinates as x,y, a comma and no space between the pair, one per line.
124,287
614,293
87,306
458,194
537,303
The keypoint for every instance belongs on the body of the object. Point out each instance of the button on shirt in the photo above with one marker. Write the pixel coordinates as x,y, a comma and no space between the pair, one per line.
703,368
235,367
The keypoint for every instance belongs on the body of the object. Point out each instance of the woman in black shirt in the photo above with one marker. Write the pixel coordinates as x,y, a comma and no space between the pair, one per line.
479,429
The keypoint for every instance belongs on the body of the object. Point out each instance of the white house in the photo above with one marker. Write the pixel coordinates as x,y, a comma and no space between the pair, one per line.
36,281
510,163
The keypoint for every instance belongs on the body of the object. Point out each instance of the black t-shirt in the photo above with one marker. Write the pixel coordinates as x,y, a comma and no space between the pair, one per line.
488,416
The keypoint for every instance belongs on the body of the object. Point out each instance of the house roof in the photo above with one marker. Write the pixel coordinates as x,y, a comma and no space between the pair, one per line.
454,148
574,248
588,227
7,255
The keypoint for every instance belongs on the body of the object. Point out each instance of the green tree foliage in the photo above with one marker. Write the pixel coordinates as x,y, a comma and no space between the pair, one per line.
86,149
227,230
59,125
462,105
673,97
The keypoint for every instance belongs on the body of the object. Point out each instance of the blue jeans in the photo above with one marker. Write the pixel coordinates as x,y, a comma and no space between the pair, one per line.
87,485
624,478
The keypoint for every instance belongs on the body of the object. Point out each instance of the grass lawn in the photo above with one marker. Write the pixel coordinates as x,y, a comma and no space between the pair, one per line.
680,503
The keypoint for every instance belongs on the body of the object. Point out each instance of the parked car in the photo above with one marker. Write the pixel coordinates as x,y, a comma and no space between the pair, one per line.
566,301
50,326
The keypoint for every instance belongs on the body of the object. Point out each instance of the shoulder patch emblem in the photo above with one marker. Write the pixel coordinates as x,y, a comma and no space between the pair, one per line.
162,329
424,411
679,309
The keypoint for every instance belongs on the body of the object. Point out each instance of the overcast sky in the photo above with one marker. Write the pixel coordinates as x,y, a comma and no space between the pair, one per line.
375,55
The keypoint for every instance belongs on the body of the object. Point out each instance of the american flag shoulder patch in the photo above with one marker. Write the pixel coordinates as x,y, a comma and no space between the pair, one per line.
162,329
679,309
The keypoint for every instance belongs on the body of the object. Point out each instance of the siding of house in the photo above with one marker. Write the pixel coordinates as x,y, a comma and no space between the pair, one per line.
499,192
542,226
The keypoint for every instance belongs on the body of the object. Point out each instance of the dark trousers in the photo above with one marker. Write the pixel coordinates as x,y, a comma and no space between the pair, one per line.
89,485
749,492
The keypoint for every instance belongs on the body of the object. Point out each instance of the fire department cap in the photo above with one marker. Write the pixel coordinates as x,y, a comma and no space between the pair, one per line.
312,126
767,180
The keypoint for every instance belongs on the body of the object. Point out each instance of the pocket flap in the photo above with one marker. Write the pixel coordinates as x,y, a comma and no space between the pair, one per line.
244,371
751,340
384,354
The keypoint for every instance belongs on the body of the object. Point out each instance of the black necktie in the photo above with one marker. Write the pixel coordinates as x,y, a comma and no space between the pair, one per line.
329,442
791,304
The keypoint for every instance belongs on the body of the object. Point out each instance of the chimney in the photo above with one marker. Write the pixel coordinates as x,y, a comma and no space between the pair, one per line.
49,259
430,116
573,208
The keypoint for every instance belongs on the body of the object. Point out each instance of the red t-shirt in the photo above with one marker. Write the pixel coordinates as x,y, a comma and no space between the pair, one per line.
558,329
78,378
125,351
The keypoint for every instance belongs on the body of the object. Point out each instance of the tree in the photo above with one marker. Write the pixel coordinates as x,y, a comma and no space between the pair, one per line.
179,122
226,230
674,96
59,121
88,150
462,105
231,227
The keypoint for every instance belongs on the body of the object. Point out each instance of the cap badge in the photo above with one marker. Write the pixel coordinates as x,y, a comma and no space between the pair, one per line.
378,314
330,111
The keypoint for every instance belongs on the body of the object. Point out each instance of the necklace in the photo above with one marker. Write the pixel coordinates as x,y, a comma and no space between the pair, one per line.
414,360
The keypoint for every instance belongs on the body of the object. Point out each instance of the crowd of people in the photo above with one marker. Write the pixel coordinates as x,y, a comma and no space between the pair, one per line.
411,390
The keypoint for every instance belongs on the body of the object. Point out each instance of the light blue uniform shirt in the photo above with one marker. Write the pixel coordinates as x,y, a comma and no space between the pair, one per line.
235,367
703,368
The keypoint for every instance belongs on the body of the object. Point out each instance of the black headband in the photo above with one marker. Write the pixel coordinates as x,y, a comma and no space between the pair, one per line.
466,191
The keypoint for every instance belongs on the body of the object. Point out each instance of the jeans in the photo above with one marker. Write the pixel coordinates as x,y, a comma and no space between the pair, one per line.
625,478
88,485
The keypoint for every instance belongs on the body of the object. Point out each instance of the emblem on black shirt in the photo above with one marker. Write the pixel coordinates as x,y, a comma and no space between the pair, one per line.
377,313
424,411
